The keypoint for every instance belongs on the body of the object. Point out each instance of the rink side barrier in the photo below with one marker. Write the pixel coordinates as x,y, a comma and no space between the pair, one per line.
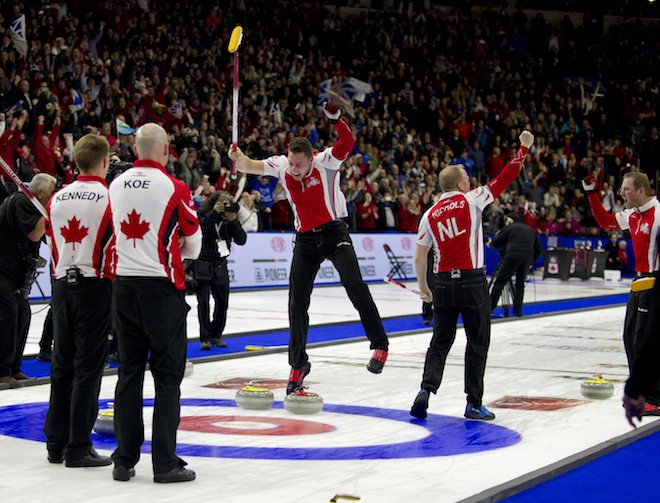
265,260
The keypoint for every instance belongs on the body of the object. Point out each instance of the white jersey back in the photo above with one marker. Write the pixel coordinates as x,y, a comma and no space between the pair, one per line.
80,229
149,208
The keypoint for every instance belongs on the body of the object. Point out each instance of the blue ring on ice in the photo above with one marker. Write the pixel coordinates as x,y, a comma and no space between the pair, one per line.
447,436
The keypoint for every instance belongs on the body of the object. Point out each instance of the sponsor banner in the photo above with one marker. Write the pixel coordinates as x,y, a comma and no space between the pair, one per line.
265,260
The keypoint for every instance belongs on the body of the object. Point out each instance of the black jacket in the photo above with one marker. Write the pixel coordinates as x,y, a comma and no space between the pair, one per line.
645,372
519,241
215,227
18,217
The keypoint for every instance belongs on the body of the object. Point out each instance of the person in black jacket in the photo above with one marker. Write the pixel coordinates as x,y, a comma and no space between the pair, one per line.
220,227
21,229
645,371
521,247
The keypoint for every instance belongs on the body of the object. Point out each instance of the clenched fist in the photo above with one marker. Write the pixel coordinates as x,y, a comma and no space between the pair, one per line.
589,184
526,138
332,111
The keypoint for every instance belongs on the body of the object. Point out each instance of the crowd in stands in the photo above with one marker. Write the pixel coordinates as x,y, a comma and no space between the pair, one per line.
449,86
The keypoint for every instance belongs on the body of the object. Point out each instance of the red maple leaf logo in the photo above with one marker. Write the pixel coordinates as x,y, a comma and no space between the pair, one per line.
74,233
133,228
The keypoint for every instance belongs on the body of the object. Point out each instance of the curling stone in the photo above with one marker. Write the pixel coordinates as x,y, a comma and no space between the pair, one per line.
189,369
303,402
254,397
597,388
105,423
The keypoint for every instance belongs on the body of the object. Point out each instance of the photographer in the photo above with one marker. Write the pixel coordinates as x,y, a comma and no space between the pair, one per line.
520,247
21,229
220,227
116,168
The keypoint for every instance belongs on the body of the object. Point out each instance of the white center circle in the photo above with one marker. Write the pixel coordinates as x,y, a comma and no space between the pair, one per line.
351,429
244,425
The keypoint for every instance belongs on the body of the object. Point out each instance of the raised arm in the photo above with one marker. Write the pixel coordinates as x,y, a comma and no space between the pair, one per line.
37,142
244,164
8,133
509,173
344,145
605,220
54,134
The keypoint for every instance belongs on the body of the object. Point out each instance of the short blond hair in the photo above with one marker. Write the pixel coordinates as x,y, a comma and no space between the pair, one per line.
90,151
450,177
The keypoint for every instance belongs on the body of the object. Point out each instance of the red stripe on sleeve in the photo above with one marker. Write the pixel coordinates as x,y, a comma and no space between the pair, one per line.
51,238
509,173
99,256
188,220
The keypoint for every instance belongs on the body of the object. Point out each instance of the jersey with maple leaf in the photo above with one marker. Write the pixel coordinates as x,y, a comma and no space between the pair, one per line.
643,224
150,209
317,198
80,229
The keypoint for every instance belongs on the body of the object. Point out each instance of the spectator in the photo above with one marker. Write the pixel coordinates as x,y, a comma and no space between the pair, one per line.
534,193
622,257
551,199
495,163
613,261
367,214
264,188
568,225
44,145
404,131
248,215
408,217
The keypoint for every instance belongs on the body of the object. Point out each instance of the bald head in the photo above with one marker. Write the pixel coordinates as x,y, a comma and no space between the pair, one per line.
152,143
454,178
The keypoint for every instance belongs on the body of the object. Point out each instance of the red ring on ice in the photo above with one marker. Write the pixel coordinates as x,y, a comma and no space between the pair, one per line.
272,426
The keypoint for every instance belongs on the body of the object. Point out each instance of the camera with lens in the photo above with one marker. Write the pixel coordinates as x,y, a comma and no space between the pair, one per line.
231,207
116,168
32,264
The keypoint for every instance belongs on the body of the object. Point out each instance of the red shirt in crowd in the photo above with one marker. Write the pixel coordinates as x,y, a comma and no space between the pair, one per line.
367,214
45,156
407,220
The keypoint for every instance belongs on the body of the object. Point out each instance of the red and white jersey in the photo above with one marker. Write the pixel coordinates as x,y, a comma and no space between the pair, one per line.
316,199
149,210
452,226
79,229
643,224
